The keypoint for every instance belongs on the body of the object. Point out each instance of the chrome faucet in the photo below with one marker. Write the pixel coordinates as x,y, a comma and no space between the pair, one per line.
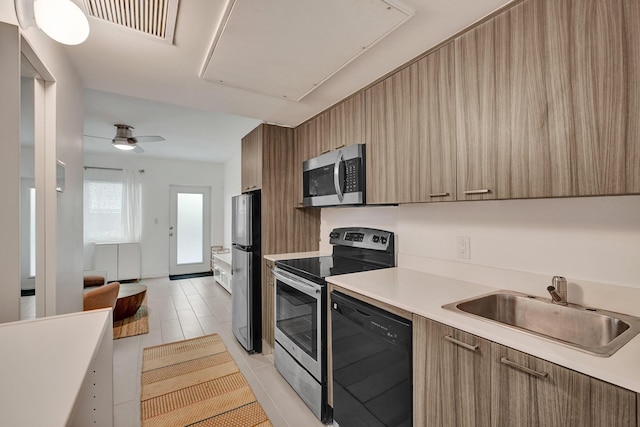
558,290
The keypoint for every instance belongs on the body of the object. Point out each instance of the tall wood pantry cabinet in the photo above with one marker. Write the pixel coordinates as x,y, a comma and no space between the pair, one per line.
285,228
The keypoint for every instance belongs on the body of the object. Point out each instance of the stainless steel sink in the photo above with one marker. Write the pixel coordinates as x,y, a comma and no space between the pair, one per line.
594,331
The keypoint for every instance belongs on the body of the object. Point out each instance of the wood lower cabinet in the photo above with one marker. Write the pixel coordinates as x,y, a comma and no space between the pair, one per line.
452,372
541,393
463,380
547,101
268,308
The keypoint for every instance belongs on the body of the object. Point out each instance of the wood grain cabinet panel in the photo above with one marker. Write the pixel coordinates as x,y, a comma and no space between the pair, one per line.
437,126
451,376
344,124
612,405
530,391
547,96
392,139
251,167
268,308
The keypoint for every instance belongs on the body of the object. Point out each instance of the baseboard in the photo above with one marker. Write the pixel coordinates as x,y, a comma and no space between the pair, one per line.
190,276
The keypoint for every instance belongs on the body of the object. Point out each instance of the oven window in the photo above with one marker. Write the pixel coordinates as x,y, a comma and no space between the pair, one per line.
319,182
297,317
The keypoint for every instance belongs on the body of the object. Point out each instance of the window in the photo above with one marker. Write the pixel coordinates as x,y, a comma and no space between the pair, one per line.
111,206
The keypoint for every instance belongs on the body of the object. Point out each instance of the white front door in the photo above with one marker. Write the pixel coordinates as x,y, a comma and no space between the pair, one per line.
189,230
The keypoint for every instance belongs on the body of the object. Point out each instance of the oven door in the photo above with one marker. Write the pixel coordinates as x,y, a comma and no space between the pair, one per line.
298,316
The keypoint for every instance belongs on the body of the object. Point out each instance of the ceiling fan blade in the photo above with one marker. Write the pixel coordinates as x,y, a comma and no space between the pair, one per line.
138,149
148,138
97,137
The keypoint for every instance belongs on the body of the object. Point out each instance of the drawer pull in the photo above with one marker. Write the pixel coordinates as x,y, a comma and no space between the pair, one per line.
483,191
439,195
338,146
325,151
460,343
523,368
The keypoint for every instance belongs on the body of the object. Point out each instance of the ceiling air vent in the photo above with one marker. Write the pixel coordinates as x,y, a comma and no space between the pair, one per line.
155,18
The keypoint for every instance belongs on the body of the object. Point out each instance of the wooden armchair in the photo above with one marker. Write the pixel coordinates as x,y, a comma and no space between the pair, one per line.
102,297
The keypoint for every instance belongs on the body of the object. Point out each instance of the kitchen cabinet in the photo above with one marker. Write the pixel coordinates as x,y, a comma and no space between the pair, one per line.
268,315
452,372
464,380
342,124
546,98
251,152
524,387
121,261
284,228
411,133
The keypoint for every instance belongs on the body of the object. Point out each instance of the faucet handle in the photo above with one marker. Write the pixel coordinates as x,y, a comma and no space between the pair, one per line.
559,281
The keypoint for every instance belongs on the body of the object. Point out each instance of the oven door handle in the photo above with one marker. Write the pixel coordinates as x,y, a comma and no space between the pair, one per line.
337,182
296,283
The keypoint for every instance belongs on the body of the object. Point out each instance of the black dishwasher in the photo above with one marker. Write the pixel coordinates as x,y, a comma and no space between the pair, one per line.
372,365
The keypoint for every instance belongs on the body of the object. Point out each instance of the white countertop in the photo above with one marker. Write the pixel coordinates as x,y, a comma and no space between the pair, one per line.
43,364
294,255
425,294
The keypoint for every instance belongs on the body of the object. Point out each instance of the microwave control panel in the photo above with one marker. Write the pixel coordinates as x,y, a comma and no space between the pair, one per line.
352,179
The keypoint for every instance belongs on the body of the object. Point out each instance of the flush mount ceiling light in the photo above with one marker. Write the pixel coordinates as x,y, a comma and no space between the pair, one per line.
62,20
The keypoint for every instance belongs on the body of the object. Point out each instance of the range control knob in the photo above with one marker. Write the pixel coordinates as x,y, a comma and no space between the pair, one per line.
376,238
383,240
334,235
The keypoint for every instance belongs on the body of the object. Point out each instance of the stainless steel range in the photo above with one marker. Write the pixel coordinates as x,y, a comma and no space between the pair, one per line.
300,352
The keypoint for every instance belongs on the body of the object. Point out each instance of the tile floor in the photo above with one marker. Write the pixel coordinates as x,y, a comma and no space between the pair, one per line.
189,308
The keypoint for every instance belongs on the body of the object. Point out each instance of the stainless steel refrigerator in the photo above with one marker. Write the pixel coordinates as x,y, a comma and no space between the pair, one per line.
246,271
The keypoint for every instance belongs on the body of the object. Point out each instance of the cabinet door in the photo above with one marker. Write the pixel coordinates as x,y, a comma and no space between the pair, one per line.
529,391
612,405
251,173
451,376
393,139
546,95
437,126
344,124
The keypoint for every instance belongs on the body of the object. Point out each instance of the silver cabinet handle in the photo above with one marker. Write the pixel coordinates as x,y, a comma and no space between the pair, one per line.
483,191
439,195
523,368
460,343
250,188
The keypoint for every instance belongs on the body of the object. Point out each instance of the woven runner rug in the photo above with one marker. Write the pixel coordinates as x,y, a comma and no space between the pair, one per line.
196,383
137,324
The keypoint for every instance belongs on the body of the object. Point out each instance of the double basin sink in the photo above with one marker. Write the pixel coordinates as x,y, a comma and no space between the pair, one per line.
594,331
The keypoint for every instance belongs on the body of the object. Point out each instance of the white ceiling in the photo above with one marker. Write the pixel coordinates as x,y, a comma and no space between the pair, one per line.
155,86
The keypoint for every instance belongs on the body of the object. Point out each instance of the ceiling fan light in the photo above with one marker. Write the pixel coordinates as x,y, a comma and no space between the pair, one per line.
123,145
62,20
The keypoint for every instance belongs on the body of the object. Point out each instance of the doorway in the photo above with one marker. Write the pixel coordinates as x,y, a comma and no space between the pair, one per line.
189,230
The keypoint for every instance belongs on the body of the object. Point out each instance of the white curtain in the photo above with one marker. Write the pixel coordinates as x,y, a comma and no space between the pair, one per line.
131,206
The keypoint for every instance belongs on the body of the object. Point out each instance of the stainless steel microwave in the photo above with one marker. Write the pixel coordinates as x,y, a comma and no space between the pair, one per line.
335,178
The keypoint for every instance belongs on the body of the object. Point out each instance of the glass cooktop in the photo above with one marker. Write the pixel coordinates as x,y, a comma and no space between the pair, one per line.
317,268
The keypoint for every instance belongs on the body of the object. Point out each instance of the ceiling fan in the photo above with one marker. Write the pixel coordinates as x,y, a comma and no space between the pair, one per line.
124,139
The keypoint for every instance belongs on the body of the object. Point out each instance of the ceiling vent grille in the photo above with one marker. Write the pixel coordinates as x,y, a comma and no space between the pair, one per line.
156,18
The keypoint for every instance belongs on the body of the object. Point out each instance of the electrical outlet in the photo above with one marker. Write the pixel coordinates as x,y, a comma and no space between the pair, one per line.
463,246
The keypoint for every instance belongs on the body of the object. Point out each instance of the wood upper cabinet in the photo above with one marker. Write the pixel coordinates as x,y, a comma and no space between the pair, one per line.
342,124
392,139
547,101
251,152
411,133
452,376
437,126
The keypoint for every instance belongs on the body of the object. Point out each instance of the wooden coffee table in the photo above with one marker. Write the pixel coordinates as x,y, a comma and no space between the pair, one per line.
129,300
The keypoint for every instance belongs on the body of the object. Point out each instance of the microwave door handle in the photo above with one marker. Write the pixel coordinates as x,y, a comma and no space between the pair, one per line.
336,176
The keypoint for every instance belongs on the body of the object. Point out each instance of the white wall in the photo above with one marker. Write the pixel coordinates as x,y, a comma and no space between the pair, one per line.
595,239
65,281
158,176
232,187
